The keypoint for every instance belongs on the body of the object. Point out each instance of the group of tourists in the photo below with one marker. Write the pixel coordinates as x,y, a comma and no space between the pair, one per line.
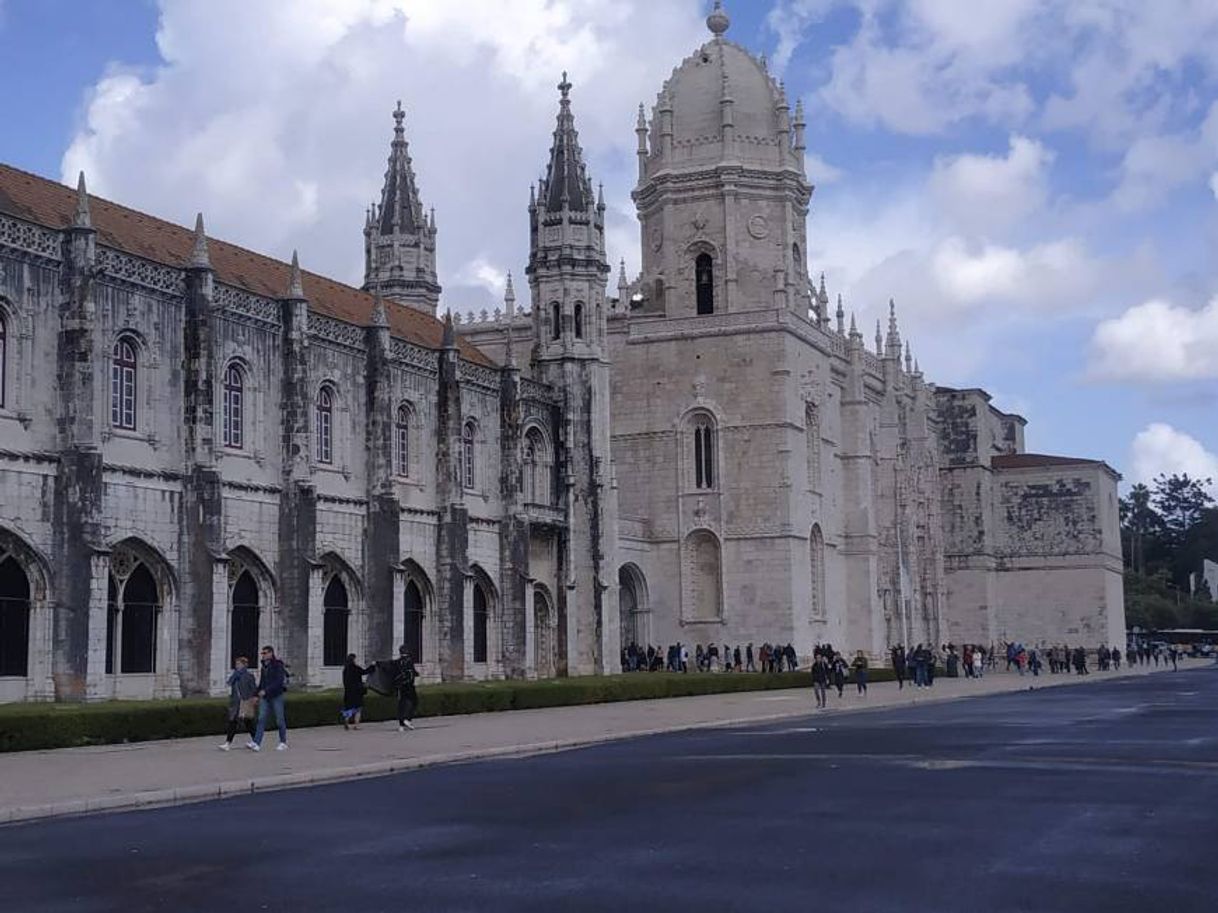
254,698
918,664
830,669
676,658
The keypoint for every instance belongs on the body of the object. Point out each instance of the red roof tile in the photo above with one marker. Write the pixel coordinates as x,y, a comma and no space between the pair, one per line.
52,205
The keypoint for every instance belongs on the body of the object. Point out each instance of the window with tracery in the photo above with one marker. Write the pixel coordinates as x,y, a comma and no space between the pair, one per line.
555,320
401,441
579,320
233,411
468,438
704,283
123,376
323,431
704,452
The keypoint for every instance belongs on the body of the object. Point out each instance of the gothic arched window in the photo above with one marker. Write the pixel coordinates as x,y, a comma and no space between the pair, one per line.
535,466
324,426
555,320
704,283
704,452
336,613
469,435
123,368
3,356
481,612
579,320
812,433
233,413
401,441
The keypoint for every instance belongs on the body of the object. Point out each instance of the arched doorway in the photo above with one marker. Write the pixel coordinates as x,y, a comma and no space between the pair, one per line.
14,619
633,611
336,616
481,612
544,628
246,611
134,609
414,620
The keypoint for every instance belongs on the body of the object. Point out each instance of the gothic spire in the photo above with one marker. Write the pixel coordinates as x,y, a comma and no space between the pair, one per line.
892,347
841,316
509,310
908,359
400,210
566,185
82,218
199,258
879,339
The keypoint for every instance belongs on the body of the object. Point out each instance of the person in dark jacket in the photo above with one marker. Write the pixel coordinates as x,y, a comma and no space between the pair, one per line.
898,665
272,684
353,692
242,689
860,672
820,680
403,682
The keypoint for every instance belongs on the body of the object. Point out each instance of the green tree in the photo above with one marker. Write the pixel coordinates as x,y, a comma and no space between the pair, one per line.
1139,522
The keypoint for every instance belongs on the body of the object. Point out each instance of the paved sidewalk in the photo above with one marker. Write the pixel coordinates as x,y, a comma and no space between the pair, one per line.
74,781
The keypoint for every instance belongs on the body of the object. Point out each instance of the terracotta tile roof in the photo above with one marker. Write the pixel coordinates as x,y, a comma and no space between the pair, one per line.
1037,460
52,205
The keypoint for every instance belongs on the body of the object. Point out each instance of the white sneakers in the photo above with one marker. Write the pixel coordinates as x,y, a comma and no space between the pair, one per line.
253,746
405,726
282,746
225,746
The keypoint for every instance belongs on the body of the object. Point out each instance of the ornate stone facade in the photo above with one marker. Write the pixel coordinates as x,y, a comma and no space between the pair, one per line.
203,449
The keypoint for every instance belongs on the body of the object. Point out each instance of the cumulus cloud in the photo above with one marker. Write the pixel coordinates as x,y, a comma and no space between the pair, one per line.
1160,448
984,193
1157,341
819,171
273,118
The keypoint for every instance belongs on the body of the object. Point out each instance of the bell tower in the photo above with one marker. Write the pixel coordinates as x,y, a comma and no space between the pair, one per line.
399,238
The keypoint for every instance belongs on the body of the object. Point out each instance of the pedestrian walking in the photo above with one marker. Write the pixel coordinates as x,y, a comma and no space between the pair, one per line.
898,665
860,672
820,680
839,674
272,684
354,690
748,654
403,683
242,701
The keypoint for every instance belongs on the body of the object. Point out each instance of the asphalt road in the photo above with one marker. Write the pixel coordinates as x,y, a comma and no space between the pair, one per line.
1102,797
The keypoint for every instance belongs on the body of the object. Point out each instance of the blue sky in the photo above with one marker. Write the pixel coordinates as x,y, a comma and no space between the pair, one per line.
1034,181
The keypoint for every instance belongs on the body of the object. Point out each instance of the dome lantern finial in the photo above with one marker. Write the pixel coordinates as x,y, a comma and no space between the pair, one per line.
718,20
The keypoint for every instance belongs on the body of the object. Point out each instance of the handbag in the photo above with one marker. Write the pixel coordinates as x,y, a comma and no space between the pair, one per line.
245,710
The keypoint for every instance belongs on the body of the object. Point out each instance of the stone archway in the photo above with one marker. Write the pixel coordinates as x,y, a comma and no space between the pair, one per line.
633,607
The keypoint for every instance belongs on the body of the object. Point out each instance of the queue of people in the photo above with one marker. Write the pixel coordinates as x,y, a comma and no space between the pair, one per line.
676,658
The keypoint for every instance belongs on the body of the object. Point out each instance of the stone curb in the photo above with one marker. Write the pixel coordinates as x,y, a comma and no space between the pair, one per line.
205,792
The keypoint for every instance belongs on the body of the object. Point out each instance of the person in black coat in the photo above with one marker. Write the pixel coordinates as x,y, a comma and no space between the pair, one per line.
353,692
403,683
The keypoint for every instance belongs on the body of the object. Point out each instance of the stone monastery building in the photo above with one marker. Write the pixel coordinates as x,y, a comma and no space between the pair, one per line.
203,449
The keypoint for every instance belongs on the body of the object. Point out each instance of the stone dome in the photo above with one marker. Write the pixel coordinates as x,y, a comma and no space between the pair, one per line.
695,94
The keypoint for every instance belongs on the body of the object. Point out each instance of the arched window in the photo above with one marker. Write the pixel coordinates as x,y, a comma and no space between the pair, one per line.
123,368
704,452
243,629
14,618
816,557
481,612
579,320
800,268
812,433
468,438
233,415
543,634
704,283
401,441
535,467
414,620
555,320
3,356
336,613
324,428
134,608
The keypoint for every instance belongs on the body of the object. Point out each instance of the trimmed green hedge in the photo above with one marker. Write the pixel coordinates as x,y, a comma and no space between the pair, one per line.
24,727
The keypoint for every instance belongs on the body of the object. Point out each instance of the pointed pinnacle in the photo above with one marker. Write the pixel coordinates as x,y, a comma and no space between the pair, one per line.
854,330
641,123
509,293
600,196
199,257
82,219
379,317
295,283
449,339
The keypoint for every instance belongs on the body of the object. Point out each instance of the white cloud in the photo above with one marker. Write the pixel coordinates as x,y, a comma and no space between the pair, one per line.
983,193
1157,341
273,118
819,171
1160,448
1214,184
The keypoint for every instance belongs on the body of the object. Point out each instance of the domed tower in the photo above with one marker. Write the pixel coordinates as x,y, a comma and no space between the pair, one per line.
722,193
399,237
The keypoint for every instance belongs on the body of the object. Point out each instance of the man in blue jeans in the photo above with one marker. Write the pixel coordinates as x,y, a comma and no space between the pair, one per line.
271,685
